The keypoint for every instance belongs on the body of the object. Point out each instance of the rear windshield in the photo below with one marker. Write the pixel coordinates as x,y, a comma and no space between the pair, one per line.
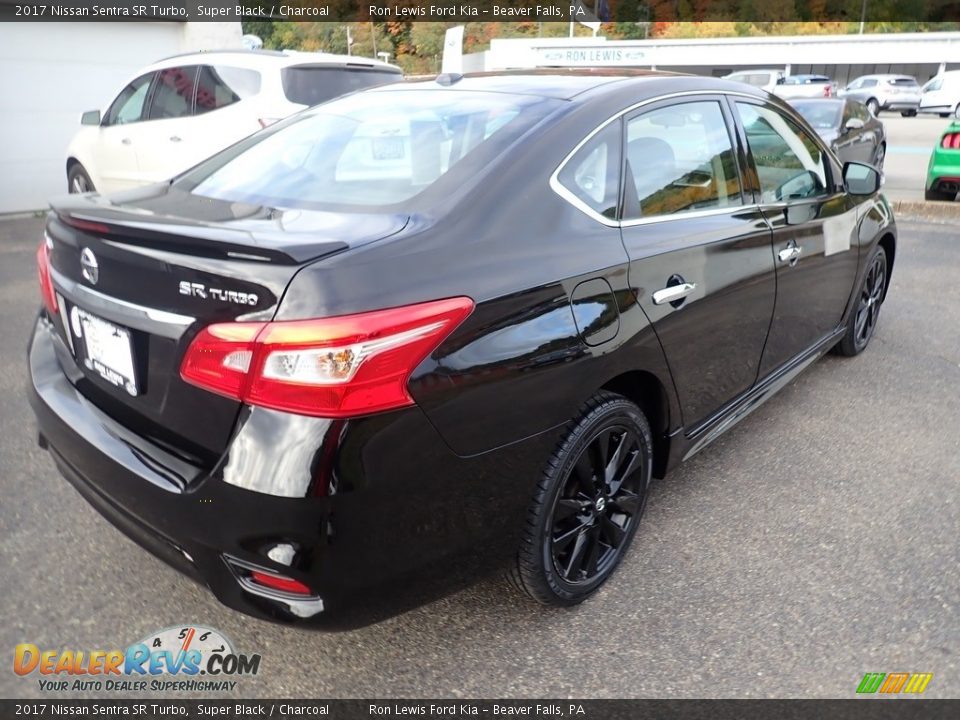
903,82
368,149
821,114
314,84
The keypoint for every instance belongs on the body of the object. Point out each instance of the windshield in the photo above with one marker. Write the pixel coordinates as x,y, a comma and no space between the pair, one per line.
903,82
822,115
368,149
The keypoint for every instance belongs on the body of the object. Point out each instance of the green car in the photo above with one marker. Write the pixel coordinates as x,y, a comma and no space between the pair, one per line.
943,172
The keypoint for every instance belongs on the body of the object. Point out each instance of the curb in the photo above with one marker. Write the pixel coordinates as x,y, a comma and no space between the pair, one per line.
945,213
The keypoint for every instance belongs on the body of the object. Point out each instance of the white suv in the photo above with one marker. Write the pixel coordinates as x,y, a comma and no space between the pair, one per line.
181,110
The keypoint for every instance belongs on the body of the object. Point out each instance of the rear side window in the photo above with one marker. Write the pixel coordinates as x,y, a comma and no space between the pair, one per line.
592,175
314,84
129,105
173,93
680,158
219,86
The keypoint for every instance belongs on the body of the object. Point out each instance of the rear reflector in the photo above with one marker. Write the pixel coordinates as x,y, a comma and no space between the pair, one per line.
46,284
278,582
329,367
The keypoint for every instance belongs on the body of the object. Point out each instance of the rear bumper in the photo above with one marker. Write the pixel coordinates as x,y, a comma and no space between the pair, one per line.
944,168
399,520
901,104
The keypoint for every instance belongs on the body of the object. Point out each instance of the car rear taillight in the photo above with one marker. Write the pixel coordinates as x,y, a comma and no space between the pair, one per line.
329,367
827,90
46,284
950,141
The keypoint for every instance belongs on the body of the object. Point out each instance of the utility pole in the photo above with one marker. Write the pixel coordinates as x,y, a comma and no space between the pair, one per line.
373,36
863,15
349,40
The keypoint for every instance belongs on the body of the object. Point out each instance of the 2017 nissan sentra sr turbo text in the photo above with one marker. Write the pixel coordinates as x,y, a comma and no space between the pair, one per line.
434,329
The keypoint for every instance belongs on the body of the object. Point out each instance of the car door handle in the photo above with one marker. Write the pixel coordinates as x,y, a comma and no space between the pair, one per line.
789,254
127,141
673,293
175,138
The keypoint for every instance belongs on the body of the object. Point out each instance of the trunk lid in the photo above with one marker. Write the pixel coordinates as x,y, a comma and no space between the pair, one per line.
138,274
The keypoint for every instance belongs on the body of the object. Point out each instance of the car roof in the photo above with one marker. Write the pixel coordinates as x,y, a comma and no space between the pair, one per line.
560,83
259,59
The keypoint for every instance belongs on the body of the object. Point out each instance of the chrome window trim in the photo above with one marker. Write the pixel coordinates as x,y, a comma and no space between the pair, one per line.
158,322
566,194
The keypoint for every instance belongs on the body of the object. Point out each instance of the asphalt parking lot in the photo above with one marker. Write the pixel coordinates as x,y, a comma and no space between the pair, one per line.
814,542
909,144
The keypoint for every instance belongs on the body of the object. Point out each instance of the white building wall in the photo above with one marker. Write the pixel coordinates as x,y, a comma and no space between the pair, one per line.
52,72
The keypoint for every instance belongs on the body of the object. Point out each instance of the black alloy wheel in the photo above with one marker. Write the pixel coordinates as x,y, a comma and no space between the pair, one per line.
863,320
588,505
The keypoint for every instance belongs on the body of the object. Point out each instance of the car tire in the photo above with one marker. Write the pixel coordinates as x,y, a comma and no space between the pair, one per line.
873,106
579,526
944,115
865,316
908,113
78,181
939,195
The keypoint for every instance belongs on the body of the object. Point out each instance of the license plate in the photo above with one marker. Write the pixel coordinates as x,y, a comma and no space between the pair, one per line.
108,350
388,149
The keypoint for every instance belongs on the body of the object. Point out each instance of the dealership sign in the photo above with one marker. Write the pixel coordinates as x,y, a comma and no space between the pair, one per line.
590,56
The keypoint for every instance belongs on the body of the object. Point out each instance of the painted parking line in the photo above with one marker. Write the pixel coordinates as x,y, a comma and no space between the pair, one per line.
908,150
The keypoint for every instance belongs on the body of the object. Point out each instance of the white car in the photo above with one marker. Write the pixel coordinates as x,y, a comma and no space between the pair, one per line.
766,79
795,87
941,94
182,110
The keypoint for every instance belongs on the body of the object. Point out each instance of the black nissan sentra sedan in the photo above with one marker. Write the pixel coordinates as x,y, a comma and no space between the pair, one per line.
430,330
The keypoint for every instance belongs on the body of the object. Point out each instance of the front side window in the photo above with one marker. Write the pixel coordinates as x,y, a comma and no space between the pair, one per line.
128,107
680,158
933,85
593,173
790,165
173,93
368,149
219,86
869,83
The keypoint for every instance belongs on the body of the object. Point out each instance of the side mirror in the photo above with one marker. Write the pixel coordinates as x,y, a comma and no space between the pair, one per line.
853,124
780,80
91,117
861,179
957,113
